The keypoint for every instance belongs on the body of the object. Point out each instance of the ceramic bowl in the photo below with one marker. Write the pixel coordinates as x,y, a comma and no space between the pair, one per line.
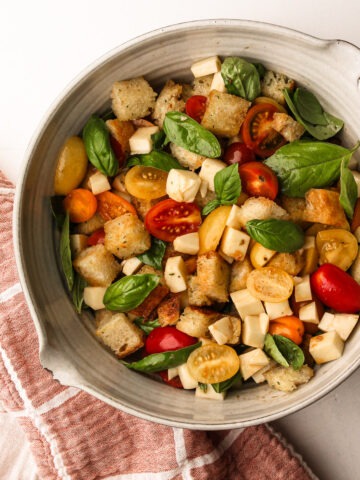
68,348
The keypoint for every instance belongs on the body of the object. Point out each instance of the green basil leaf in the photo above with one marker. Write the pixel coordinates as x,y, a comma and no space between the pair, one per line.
129,292
272,350
241,78
78,292
279,235
162,361
146,326
308,107
155,254
303,164
65,253
96,138
348,189
293,354
158,140
155,159
261,69
210,206
57,209
228,185
203,387
189,134
227,384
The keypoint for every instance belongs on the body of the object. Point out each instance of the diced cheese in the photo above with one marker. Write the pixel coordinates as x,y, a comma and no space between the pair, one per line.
234,243
218,83
342,323
175,274
277,310
207,66
209,393
246,304
258,376
223,330
260,255
94,296
140,141
251,362
326,347
203,188
182,185
308,313
99,183
131,265
226,257
327,322
303,290
187,380
172,372
78,243
209,169
356,176
255,328
233,219
188,243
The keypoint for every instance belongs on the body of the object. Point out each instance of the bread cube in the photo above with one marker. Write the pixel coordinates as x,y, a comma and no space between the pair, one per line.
286,379
169,100
259,376
289,128
214,276
226,330
239,274
273,85
196,294
202,85
89,227
169,310
323,206
246,304
186,158
132,99
147,309
195,321
121,131
260,208
97,266
78,243
254,329
251,362
326,347
292,263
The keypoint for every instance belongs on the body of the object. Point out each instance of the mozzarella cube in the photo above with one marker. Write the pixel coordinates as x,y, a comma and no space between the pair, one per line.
258,376
308,313
172,372
251,362
207,66
99,183
246,304
182,185
303,290
187,380
94,296
342,323
188,243
326,347
209,393
226,330
309,242
209,169
218,83
233,219
277,310
78,243
175,274
255,328
260,255
234,243
131,265
140,141
356,176
203,188
327,322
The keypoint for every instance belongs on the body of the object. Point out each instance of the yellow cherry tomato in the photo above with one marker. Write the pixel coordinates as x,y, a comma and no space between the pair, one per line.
270,284
212,229
71,166
271,101
337,246
212,363
146,183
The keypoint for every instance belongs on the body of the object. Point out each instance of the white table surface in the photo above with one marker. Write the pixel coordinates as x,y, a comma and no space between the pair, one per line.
45,44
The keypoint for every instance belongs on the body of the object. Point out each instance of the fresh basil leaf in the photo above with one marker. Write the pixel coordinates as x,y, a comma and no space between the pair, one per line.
210,206
189,134
155,254
96,138
162,361
308,107
155,159
65,253
228,185
293,354
272,350
57,210
261,69
348,189
241,78
279,235
203,387
227,384
146,326
158,140
78,292
303,164
129,292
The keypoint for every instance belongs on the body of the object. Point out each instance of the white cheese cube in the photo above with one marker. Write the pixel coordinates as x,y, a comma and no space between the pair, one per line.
303,290
218,83
99,183
255,328
78,243
309,242
308,313
224,330
326,347
94,296
233,219
226,257
175,274
188,243
140,141
258,376
187,380
131,265
356,176
251,362
342,323
206,66
182,185
234,243
172,373
209,393
260,255
203,188
246,304
327,322
209,169
277,310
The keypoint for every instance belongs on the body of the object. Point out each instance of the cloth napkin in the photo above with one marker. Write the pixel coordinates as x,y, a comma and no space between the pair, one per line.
73,435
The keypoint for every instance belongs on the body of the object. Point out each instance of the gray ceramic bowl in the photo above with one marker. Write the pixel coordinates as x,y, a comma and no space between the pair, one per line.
67,345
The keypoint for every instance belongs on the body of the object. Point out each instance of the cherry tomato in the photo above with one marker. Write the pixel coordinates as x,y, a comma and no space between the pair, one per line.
290,327
213,363
111,205
258,180
146,183
257,131
336,288
165,339
81,205
195,107
356,217
96,238
239,153
169,219
174,382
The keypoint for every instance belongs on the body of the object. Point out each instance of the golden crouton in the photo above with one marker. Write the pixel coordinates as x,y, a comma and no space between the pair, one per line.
186,158
292,263
187,91
196,294
289,128
239,274
87,228
151,302
97,266
260,208
273,84
126,236
287,379
224,113
202,201
101,316
195,321
295,207
169,100
121,131
132,99
119,334
202,85
214,276
323,206
169,310
146,269
142,206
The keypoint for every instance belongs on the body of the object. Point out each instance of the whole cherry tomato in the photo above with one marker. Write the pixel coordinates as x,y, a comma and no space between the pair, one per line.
258,180
195,107
96,238
239,153
164,339
290,327
336,288
81,205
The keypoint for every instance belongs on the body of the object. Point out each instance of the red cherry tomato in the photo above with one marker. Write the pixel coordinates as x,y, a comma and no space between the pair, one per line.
168,219
174,382
164,339
258,180
195,107
257,131
336,288
239,153
96,238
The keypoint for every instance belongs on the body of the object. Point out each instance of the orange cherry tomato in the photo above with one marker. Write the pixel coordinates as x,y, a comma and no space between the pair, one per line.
195,107
96,238
81,205
111,205
258,180
290,327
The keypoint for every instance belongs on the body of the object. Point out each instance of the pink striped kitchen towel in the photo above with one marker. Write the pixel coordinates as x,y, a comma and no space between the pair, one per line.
75,436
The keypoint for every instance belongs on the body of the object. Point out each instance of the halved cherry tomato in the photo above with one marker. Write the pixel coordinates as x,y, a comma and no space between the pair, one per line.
165,339
111,205
81,205
336,288
239,153
258,180
290,327
146,183
174,382
195,107
169,219
96,238
212,363
257,131
213,227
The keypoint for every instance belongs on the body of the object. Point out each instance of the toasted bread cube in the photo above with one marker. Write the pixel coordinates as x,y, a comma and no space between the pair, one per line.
186,158
120,335
342,323
206,66
94,296
182,185
209,169
97,266
234,243
195,321
187,380
292,263
196,294
126,236
78,243
188,243
289,128
323,206
209,393
89,227
214,276
233,219
326,347
259,376
147,308
295,207
131,265
251,362
239,274
286,379
218,83
308,313
226,330
169,310
224,113
121,131
169,100
273,84
277,310
175,274
246,304
132,99
255,328
99,183
141,142
202,85
260,208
